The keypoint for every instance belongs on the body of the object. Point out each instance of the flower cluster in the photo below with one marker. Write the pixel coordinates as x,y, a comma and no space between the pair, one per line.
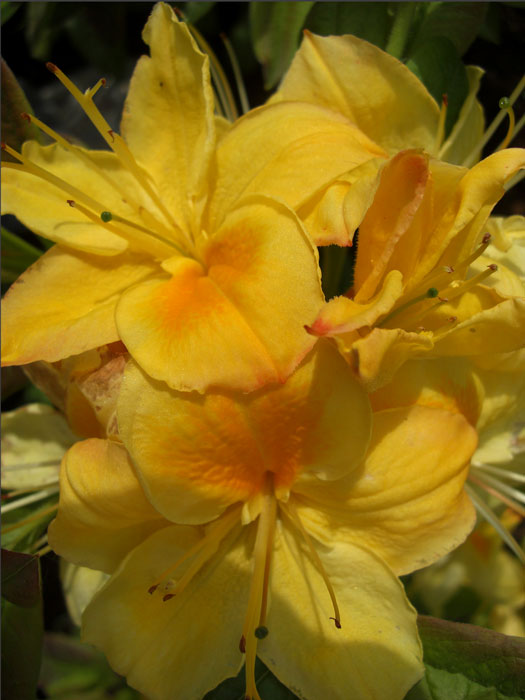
259,464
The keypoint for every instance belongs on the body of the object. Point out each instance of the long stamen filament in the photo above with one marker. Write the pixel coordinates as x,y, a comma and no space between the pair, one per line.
487,513
37,516
114,141
431,293
441,125
241,88
292,513
503,103
216,532
506,494
469,160
263,549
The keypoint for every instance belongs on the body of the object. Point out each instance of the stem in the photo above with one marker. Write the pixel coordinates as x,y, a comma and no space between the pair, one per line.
400,29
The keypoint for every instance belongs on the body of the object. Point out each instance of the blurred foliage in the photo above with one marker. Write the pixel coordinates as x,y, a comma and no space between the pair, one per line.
434,40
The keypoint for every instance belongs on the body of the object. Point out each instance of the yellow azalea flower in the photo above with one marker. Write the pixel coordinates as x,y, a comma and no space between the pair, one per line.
271,524
198,299
421,287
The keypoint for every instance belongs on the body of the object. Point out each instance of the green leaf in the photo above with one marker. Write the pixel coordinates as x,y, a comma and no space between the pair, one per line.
41,28
20,578
490,29
267,684
275,29
465,662
15,129
459,22
22,632
193,11
438,66
17,256
8,9
367,20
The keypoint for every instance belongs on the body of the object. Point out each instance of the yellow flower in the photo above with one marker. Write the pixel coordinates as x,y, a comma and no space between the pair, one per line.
200,299
238,525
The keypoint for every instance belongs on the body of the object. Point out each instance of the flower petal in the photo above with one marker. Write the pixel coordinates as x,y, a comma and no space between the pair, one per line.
168,120
214,450
102,512
64,304
371,88
181,648
407,504
236,322
378,624
305,148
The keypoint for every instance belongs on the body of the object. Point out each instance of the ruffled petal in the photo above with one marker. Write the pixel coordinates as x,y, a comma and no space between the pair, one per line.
103,512
237,321
289,151
407,502
309,654
215,450
371,88
65,304
181,648
168,120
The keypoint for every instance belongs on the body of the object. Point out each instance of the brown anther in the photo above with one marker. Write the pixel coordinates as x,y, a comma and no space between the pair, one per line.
443,299
26,116
242,644
112,134
336,622
493,267
51,66
3,146
486,238
168,596
103,81
71,202
444,99
421,328
449,269
452,319
153,588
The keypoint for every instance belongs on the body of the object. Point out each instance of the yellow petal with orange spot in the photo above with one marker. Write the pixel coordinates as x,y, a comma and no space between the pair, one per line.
214,450
343,315
65,304
103,512
238,320
289,151
396,203
406,503
371,88
168,120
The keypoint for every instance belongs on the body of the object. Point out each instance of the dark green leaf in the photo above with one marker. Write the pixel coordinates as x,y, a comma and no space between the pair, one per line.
267,684
15,129
490,29
459,22
275,29
438,66
193,11
22,631
367,20
20,578
465,662
8,9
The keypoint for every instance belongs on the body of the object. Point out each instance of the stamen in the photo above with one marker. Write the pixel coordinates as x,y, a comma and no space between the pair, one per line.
114,141
456,289
33,498
211,540
506,494
504,474
487,513
505,104
90,92
440,134
36,516
469,160
431,293
263,550
294,516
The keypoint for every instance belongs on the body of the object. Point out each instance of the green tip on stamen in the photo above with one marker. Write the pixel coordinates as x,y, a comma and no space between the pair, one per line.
106,216
432,292
261,632
504,103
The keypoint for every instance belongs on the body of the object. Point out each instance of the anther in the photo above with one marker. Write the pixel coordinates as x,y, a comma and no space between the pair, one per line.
242,644
448,269
486,238
261,632
452,319
106,216
112,134
336,622
26,116
152,589
71,202
168,596
493,267
51,67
